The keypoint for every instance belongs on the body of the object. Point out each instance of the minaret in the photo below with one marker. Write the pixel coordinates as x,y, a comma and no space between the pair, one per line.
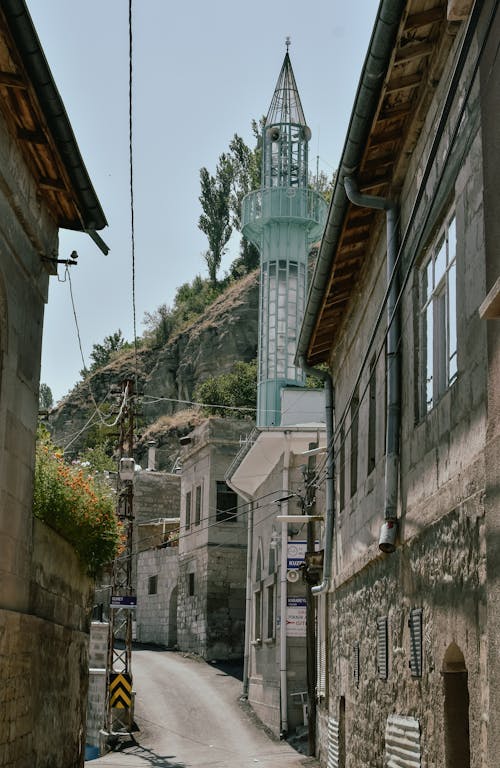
282,219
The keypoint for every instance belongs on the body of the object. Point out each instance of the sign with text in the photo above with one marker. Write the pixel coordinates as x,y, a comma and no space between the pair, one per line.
123,601
296,553
296,616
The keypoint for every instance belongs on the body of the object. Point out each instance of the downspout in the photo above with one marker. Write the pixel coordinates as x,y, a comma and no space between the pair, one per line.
388,531
248,591
330,476
284,593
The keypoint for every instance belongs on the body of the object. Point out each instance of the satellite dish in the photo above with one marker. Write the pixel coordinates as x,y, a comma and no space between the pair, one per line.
306,133
273,133
292,576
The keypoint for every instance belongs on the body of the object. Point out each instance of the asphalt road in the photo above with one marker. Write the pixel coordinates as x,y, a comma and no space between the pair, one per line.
188,713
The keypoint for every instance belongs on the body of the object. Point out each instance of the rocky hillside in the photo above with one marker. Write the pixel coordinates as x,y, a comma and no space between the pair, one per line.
224,334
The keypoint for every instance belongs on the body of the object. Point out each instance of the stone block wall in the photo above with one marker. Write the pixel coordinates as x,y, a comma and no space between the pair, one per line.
156,494
442,571
156,613
44,662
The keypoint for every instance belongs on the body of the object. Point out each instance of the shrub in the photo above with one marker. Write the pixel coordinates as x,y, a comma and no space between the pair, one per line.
79,506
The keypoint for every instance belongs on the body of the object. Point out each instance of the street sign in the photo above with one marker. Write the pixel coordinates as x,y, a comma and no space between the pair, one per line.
123,601
296,616
296,553
120,690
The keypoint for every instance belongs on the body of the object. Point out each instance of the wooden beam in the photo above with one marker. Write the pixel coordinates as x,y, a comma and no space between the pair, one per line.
404,83
413,51
57,185
32,137
384,137
12,80
423,18
397,110
384,161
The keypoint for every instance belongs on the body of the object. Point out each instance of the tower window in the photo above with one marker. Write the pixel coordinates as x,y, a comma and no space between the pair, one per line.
227,503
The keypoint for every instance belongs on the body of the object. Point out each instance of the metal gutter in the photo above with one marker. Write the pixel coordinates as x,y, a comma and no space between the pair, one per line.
29,46
365,104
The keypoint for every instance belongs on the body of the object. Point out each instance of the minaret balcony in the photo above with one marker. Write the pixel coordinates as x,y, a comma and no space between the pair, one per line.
283,204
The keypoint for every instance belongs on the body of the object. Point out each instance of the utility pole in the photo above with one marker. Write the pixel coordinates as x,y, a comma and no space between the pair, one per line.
119,709
311,578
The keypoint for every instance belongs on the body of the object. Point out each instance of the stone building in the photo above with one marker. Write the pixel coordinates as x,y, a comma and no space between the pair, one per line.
44,186
212,544
406,277
269,472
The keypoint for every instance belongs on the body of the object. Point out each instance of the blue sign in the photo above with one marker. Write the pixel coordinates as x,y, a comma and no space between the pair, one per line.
123,601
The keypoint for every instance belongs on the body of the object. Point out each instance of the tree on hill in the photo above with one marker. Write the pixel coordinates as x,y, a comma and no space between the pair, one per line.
234,390
45,398
101,353
215,219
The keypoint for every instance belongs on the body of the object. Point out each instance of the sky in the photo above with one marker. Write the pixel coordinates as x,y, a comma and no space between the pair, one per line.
202,71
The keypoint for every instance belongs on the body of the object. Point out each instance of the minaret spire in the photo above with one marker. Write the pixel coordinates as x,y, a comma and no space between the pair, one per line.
281,219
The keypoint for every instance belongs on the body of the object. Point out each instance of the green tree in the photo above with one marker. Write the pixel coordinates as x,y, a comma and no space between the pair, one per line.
215,219
237,389
160,325
101,353
45,398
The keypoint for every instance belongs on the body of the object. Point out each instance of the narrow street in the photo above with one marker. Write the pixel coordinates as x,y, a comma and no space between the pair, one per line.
189,714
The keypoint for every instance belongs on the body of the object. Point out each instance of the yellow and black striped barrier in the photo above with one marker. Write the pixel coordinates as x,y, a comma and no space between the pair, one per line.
120,690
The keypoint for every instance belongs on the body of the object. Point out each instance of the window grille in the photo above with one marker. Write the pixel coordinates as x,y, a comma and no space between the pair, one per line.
382,648
355,655
402,742
415,625
333,743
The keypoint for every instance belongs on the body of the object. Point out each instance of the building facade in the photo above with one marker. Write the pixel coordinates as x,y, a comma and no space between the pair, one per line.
44,186
212,544
404,283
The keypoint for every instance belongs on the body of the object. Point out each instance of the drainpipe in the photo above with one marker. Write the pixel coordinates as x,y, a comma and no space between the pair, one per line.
248,592
284,592
330,476
388,531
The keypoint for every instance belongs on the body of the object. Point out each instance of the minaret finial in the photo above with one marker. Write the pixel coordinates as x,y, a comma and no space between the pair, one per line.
287,42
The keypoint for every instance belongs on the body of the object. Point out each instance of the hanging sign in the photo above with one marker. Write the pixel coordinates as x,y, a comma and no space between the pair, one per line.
296,616
123,601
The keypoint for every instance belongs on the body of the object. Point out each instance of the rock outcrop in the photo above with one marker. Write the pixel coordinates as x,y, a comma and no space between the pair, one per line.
166,378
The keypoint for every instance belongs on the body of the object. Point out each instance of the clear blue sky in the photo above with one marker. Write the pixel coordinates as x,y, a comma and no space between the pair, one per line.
202,72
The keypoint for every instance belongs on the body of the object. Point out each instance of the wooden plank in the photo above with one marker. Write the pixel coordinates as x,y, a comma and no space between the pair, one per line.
413,51
423,18
12,80
32,137
58,185
404,83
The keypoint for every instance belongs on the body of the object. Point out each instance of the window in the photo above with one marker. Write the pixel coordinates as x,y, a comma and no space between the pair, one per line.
152,585
257,615
438,317
270,592
372,415
342,469
188,510
354,442
190,584
197,506
227,503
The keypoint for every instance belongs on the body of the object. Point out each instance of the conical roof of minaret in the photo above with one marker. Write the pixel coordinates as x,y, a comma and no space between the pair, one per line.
285,105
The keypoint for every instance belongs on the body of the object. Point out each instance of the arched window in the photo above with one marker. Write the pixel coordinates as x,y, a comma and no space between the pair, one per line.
456,709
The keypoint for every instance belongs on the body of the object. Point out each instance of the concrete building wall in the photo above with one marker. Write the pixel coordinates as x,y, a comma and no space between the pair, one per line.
156,614
212,552
440,563
44,661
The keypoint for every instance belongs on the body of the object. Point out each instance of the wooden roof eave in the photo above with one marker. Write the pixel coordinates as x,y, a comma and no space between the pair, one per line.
391,112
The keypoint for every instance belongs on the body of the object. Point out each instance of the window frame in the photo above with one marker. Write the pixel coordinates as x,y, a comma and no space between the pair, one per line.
223,515
153,585
198,504
187,510
437,316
